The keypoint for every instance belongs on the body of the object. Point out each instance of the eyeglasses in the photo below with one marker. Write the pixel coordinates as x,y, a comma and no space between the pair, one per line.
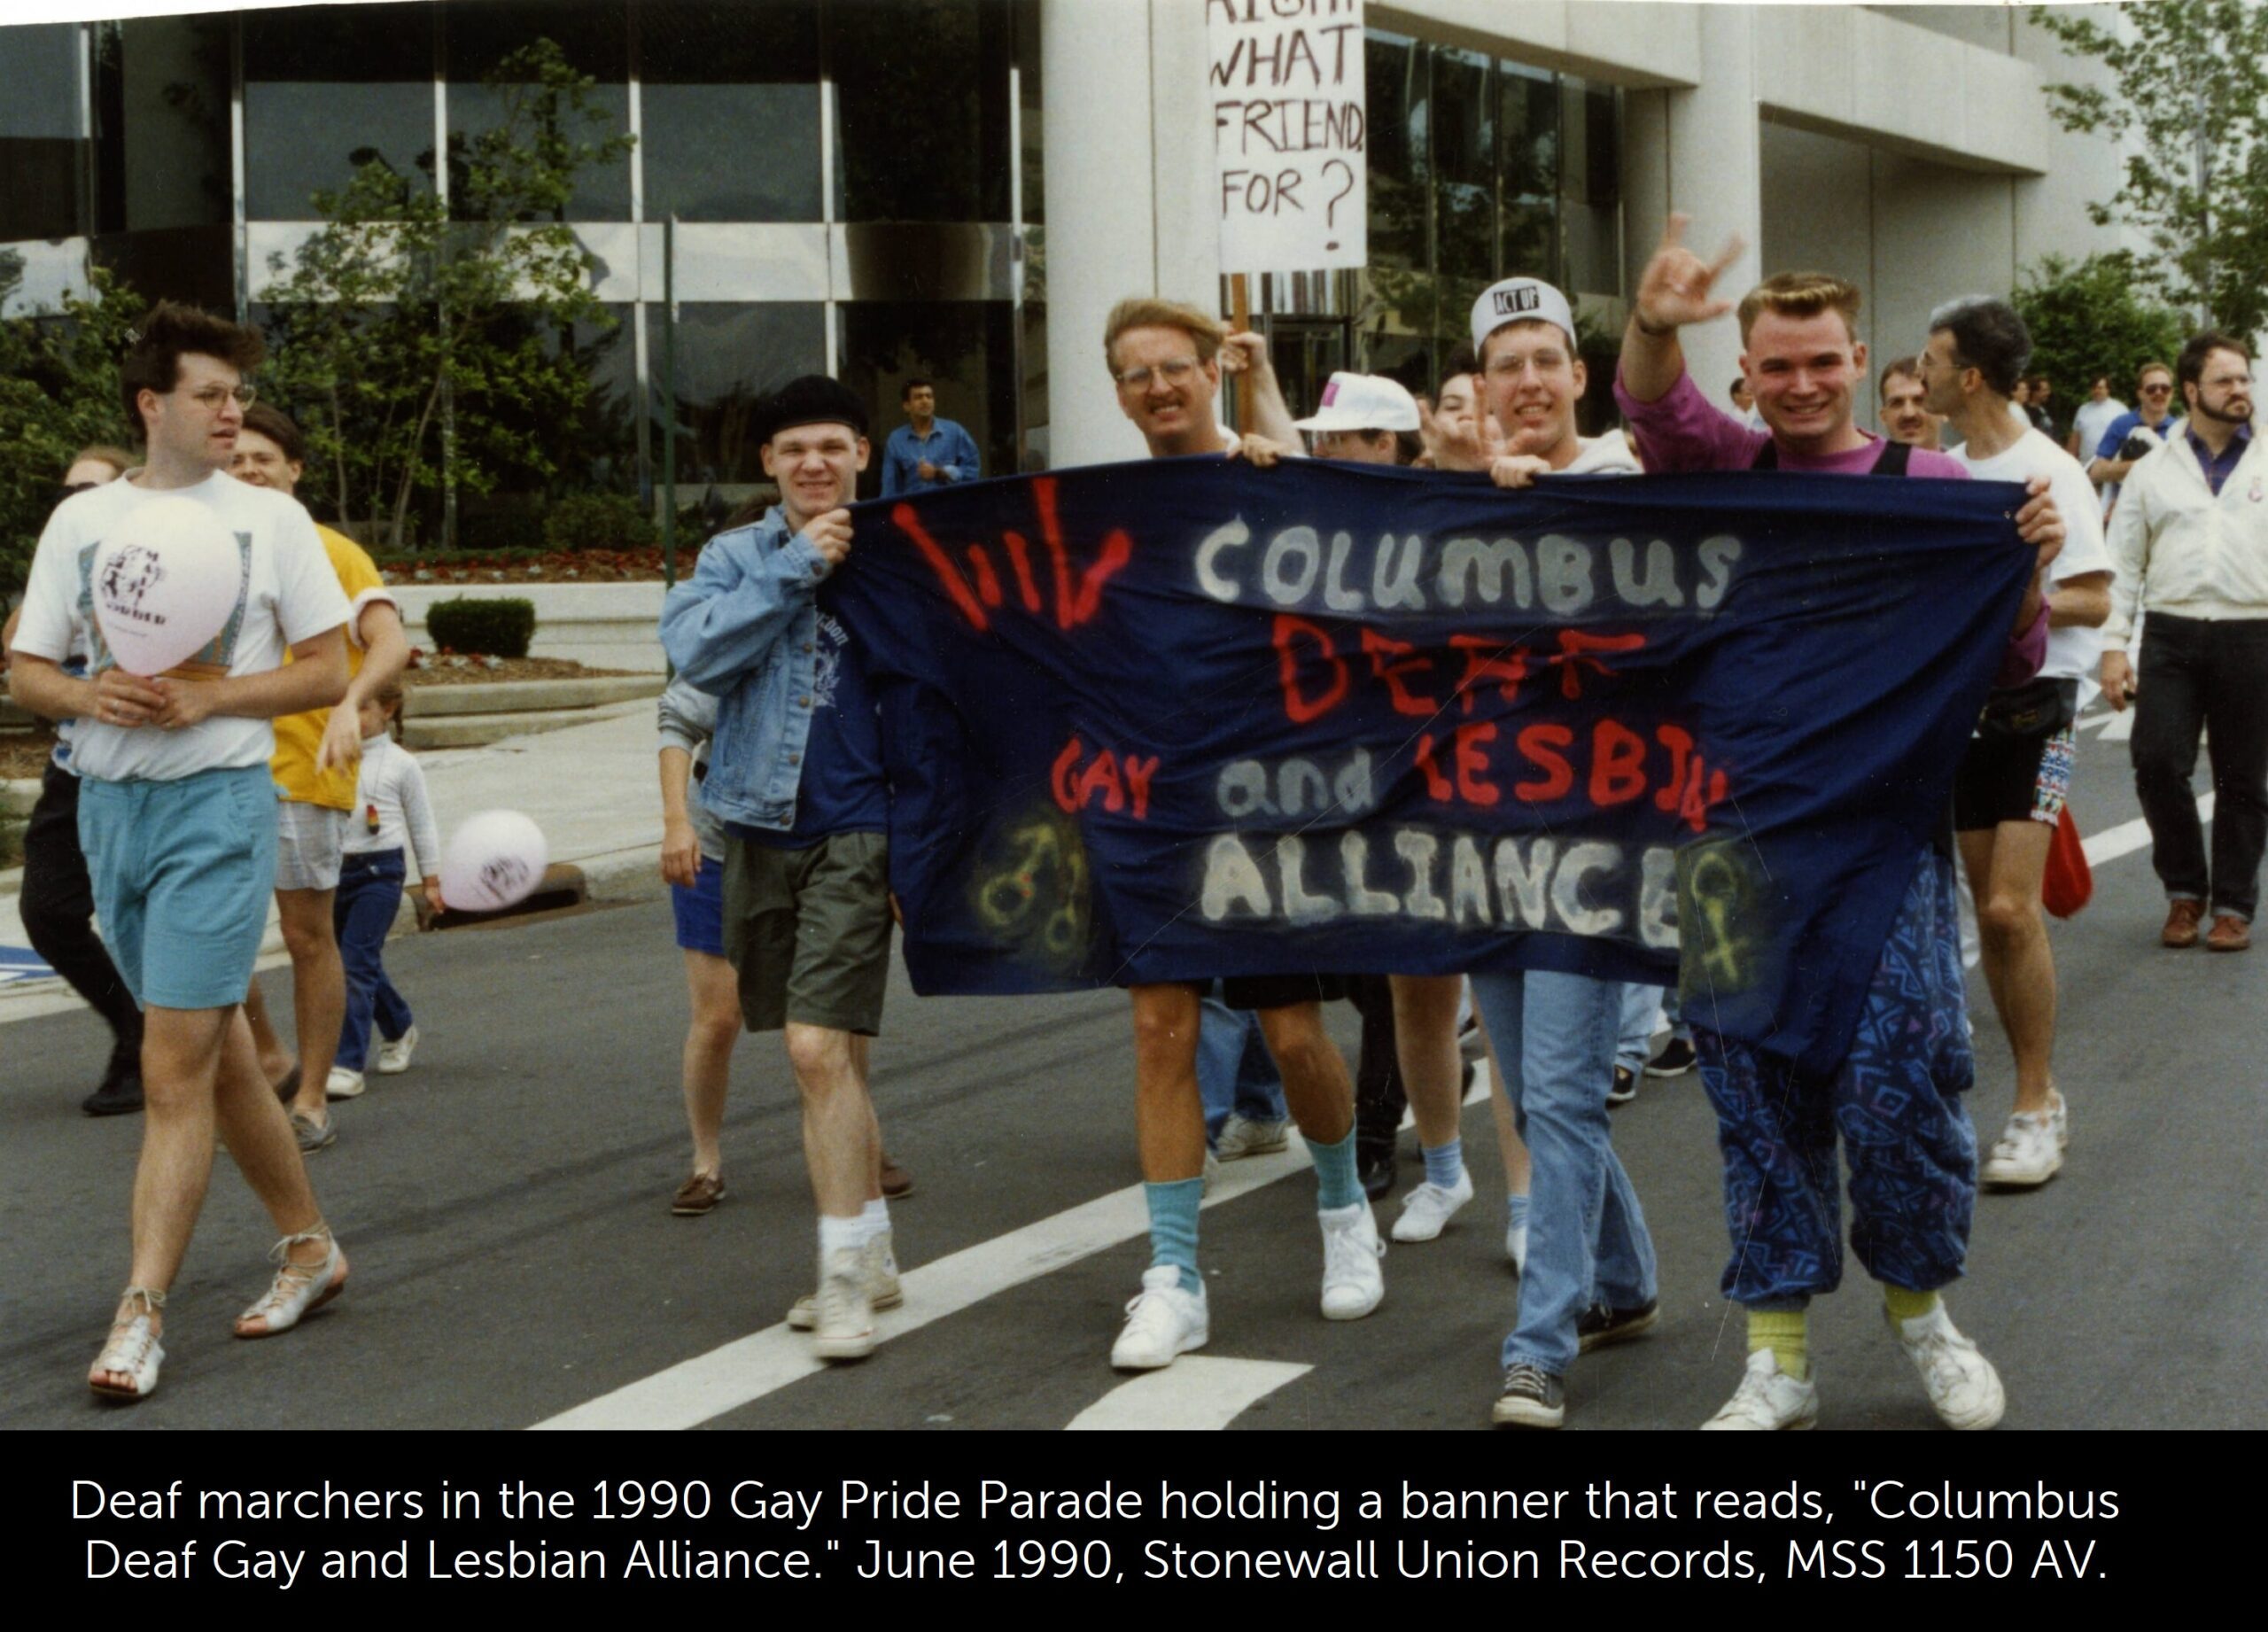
211,397
2161,389
1176,372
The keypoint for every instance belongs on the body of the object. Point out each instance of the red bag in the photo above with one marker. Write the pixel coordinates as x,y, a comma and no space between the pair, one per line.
2069,883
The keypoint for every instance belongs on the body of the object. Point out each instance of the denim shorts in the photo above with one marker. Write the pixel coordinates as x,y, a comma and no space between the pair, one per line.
182,873
701,910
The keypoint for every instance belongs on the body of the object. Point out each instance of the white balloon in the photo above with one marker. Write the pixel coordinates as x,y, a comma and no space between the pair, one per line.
166,582
492,861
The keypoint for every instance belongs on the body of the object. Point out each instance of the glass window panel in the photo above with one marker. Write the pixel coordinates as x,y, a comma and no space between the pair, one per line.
40,125
1464,182
324,92
592,35
729,358
706,67
1528,172
967,348
921,108
162,151
1394,114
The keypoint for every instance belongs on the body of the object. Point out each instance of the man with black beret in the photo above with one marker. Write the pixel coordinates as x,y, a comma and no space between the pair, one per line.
796,771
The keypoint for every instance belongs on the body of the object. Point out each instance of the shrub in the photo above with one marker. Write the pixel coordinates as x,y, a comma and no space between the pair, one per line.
485,532
598,521
499,627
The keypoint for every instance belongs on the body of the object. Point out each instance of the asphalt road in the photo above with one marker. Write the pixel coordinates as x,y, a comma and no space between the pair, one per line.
505,1208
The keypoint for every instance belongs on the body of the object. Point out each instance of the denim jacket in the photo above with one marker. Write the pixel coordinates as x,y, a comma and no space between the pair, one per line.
744,628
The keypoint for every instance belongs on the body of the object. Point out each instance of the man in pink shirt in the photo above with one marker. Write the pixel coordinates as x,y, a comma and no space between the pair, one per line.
1895,1099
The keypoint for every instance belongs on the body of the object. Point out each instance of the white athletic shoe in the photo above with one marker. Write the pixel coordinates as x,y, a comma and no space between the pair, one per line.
879,1264
1427,1208
1962,1384
344,1083
1353,1284
1515,1246
843,1322
1245,1136
393,1058
2028,1152
1161,1322
1767,1398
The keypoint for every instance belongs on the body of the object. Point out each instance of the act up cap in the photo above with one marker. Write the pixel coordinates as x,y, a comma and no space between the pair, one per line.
1520,300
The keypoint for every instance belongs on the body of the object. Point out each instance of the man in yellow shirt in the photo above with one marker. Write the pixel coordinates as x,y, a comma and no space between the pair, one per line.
317,755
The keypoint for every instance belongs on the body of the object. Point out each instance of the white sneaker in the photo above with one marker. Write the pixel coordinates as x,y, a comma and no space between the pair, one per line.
1353,1284
2028,1152
843,1317
344,1083
393,1058
1427,1208
1245,1136
1515,1246
1767,1398
2058,1117
1162,1321
879,1264
1962,1384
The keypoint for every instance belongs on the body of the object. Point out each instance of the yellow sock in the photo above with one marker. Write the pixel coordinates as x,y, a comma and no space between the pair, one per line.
1904,1305
1787,1333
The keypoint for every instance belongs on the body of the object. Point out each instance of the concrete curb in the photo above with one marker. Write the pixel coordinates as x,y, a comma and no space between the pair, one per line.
525,696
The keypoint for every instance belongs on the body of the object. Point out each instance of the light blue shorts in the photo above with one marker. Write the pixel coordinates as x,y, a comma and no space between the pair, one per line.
181,873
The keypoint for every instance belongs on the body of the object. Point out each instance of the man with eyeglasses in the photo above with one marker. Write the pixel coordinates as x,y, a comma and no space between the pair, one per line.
177,814
2135,434
2190,543
1166,359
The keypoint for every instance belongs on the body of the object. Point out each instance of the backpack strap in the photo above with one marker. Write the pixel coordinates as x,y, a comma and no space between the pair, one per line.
1893,458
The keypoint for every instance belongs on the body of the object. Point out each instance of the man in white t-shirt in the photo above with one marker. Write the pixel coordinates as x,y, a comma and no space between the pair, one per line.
2094,418
2009,792
177,816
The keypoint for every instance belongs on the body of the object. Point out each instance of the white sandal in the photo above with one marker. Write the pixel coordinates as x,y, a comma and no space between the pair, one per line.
133,1351
299,1288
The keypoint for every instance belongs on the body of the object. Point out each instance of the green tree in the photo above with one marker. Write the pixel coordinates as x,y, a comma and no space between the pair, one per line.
2190,110
420,351
58,392
2088,320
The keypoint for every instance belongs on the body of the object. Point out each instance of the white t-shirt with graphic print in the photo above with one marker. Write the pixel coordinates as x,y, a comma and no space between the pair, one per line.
288,593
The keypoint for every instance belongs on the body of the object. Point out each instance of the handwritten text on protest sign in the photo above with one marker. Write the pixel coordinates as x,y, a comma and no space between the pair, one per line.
1285,80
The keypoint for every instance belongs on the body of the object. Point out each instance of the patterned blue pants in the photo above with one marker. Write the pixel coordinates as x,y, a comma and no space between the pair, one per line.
1897,1103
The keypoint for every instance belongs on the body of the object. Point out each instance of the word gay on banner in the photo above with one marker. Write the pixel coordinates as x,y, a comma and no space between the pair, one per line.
1187,719
1289,133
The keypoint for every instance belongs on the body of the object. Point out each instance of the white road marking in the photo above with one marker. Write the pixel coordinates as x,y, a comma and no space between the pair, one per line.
1194,1392
2129,836
2120,728
691,1393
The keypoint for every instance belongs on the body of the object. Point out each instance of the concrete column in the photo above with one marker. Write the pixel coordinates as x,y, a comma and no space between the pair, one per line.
1716,176
1095,113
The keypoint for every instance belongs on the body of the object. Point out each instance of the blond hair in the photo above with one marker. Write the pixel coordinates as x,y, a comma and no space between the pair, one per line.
1145,312
1801,294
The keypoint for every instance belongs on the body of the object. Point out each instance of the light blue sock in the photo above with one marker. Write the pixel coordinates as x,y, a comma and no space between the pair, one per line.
1336,1182
1173,1227
1443,1162
1515,1212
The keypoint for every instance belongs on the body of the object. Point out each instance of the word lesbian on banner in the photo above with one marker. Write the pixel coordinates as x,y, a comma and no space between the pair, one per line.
1289,133
1186,719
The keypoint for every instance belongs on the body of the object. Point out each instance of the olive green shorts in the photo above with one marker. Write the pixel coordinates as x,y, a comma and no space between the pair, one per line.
808,931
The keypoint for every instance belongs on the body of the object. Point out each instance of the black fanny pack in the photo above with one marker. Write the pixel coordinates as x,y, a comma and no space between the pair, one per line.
2036,709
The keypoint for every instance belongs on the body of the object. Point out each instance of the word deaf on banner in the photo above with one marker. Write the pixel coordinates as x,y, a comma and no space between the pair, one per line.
1285,78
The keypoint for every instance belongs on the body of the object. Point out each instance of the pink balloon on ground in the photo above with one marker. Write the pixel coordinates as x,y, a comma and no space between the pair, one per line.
492,861
166,582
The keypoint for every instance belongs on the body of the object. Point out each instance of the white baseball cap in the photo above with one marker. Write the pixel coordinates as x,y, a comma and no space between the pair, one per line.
1362,402
1520,300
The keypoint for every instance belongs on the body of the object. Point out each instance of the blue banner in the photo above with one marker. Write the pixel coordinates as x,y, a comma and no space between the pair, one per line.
1186,719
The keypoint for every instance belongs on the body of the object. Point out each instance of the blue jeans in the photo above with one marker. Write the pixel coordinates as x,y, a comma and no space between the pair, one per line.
1587,1239
1641,1018
369,895
1234,1071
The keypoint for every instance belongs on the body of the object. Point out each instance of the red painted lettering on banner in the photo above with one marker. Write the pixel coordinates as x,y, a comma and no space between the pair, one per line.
1488,659
1575,648
1542,745
1117,782
942,565
1618,763
1438,787
1680,744
1067,793
1379,648
987,581
1072,610
1020,558
1298,706
1471,786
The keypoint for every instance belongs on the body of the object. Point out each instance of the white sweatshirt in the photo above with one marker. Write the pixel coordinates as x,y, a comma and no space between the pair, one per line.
390,811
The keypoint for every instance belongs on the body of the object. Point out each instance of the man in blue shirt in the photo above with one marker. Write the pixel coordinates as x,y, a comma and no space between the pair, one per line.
796,772
2135,432
927,452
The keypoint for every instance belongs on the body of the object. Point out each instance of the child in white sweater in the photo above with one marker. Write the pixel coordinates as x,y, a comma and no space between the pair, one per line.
391,823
